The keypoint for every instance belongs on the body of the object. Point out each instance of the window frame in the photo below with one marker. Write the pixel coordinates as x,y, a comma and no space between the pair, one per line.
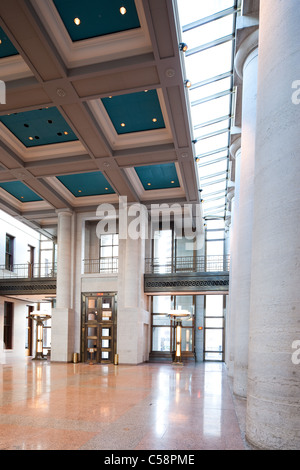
8,325
9,252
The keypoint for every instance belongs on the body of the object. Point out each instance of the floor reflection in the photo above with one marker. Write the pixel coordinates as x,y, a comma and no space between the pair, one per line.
48,406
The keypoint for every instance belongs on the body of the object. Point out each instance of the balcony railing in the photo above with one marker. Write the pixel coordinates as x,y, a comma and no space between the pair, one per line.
187,264
102,266
28,271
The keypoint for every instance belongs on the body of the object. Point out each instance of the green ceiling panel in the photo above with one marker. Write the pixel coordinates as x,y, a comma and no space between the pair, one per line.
7,49
96,17
162,176
134,112
39,127
86,184
20,191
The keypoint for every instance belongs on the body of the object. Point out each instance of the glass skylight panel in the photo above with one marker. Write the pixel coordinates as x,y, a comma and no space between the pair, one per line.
218,153
213,128
211,143
210,110
213,168
210,89
209,32
208,28
189,10
209,63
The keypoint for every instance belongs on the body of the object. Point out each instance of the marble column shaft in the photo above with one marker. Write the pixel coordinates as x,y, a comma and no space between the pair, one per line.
249,57
273,404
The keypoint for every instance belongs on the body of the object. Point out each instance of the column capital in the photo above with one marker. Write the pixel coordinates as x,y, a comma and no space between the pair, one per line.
235,147
246,47
65,211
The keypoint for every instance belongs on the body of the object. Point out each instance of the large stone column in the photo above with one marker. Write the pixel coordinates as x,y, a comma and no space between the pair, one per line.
133,320
62,324
235,151
246,66
273,407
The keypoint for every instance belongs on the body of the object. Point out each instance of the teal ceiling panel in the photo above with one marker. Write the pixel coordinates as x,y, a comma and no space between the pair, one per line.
86,184
7,49
93,18
39,127
134,112
162,176
20,191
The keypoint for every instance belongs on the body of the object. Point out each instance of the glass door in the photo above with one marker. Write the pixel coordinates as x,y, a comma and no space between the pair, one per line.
98,328
214,328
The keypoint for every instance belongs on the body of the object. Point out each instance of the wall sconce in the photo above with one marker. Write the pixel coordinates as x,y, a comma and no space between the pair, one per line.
183,47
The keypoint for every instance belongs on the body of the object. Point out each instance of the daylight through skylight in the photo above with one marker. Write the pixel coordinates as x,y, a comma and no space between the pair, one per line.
208,28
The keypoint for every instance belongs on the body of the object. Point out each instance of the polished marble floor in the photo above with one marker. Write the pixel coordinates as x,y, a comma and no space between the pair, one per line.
54,406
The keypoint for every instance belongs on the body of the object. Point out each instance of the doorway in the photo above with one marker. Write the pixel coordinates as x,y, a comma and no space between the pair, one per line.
29,330
214,331
98,333
30,252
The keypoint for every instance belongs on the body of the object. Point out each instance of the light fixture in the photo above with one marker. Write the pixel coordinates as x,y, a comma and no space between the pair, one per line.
183,47
79,190
106,189
154,120
77,21
122,124
172,182
30,138
123,10
187,83
39,317
178,316
66,133
149,184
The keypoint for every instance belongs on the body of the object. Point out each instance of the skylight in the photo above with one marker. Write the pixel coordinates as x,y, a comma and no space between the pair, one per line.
208,28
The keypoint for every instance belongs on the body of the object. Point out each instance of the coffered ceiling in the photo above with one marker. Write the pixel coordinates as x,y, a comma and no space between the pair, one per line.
96,107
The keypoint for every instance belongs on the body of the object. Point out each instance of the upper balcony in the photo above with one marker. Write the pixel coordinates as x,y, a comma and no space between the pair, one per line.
187,274
27,278
187,264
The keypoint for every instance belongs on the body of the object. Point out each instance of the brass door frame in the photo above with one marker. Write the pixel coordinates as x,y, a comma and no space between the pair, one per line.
100,321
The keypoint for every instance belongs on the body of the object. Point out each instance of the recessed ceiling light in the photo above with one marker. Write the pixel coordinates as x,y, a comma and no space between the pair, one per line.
77,21
106,189
22,197
149,184
154,120
30,138
79,190
0,41
172,182
66,133
123,10
122,124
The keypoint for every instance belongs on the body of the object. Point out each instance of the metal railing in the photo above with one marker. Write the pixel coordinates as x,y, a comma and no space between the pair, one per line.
187,264
103,265
28,271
